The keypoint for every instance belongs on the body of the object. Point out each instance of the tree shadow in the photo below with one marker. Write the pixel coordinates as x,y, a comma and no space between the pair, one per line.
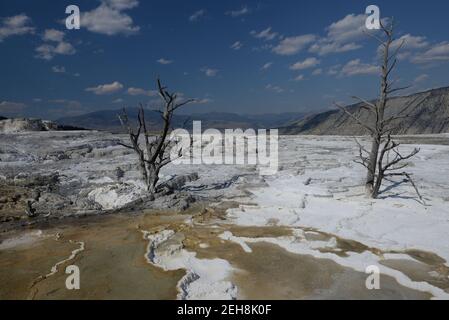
398,195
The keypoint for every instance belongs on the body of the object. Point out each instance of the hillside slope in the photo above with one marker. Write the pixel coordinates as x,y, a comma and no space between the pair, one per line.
428,114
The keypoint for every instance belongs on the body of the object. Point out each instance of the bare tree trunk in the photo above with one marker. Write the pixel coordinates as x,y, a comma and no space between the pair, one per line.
155,154
377,160
371,188
372,166
153,178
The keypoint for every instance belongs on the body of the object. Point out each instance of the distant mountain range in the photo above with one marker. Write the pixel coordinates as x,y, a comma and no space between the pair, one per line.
428,114
108,120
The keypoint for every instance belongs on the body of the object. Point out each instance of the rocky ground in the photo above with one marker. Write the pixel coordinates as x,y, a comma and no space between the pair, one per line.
53,175
217,231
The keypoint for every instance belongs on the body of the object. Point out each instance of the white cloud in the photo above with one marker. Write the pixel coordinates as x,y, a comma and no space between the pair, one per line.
53,35
179,96
266,34
410,45
342,36
15,26
263,47
305,64
355,67
350,28
197,15
410,42
292,45
106,88
401,55
209,72
439,49
267,66
203,101
324,47
421,78
317,72
237,45
418,50
273,88
334,70
299,78
119,100
58,69
47,51
437,53
164,61
237,13
121,4
109,18
141,92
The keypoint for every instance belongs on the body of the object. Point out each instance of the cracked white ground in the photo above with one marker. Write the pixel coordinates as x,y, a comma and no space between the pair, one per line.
317,194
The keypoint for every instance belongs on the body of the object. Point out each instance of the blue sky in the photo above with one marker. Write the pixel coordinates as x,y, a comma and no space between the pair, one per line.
232,56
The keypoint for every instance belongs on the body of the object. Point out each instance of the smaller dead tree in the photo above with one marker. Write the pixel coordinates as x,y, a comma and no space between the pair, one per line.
384,159
154,152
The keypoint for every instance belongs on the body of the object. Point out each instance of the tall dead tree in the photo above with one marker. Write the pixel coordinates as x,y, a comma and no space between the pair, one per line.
154,153
384,158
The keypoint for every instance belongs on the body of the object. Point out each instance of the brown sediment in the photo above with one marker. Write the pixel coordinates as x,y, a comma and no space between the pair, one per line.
436,274
429,267
113,264
271,272
260,232
425,257
21,266
274,273
56,268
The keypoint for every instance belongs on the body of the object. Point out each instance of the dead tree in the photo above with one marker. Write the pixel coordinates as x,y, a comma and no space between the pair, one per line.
154,154
384,158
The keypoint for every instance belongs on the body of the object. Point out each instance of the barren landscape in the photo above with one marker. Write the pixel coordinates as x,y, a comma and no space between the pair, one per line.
221,151
218,231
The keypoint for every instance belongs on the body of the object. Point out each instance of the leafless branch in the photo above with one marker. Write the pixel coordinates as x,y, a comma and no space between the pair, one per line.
384,157
156,153
359,122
